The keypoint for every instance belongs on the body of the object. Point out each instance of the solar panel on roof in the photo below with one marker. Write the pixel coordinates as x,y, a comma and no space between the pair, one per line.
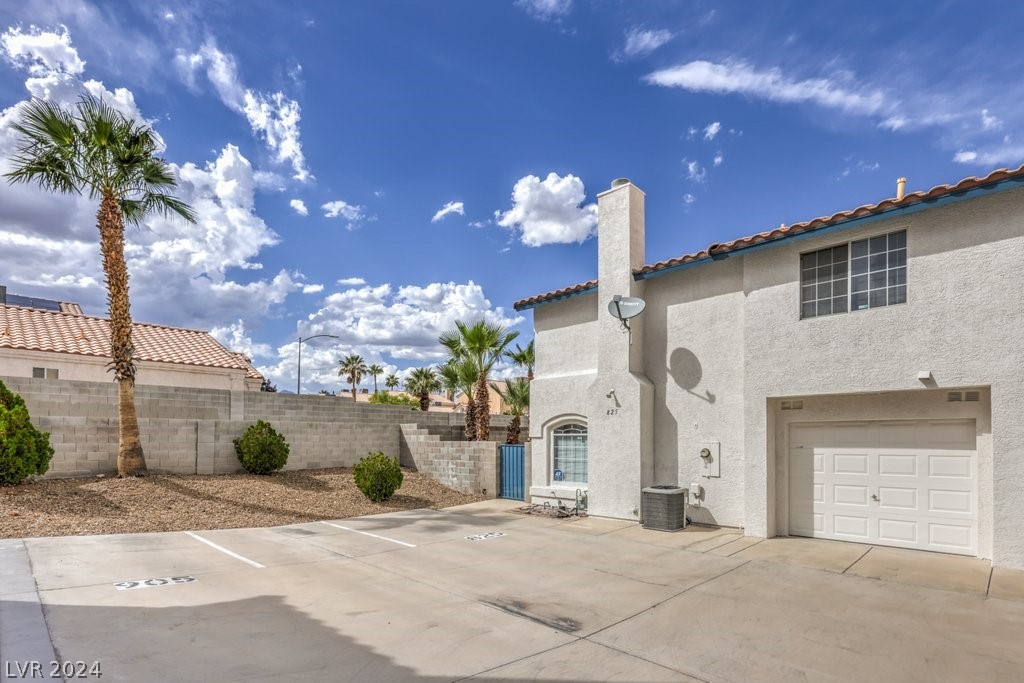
31,302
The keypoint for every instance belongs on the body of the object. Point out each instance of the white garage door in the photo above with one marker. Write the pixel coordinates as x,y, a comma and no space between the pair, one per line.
905,484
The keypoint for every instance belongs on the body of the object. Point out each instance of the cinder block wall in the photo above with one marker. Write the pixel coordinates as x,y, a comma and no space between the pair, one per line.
466,466
185,430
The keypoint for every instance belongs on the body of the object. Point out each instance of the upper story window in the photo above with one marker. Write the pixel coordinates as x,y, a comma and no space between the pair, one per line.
867,273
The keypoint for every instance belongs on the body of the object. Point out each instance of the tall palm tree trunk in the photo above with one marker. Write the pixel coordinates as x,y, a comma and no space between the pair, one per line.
470,419
512,431
130,459
483,409
425,402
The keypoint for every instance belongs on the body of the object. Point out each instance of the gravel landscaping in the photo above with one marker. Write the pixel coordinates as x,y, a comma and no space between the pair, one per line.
171,502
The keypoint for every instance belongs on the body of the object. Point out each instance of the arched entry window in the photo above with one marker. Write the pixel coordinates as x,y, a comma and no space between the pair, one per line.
569,453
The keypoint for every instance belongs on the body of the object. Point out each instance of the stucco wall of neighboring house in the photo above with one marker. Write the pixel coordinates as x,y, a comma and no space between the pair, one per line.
19,363
965,299
566,349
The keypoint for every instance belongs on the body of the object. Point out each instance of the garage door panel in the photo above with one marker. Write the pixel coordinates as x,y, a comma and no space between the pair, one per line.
909,484
898,531
950,466
897,497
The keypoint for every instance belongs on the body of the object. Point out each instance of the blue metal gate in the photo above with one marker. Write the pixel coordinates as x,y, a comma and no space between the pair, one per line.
512,461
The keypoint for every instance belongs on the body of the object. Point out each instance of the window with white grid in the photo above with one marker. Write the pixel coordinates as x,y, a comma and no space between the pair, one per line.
569,451
867,273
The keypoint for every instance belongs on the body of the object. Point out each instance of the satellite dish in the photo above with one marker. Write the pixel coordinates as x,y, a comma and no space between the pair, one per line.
626,307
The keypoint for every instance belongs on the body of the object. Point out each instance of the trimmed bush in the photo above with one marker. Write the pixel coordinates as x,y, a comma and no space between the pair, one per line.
261,449
378,476
24,450
384,398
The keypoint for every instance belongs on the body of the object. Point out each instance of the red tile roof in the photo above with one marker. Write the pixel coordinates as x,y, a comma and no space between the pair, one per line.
37,330
785,231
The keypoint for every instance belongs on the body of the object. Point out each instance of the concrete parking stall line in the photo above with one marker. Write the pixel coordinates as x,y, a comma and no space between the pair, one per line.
251,563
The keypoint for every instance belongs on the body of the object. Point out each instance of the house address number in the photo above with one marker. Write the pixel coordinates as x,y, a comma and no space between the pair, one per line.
612,411
151,583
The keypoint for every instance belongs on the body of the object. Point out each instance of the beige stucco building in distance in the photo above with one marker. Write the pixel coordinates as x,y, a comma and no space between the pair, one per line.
56,340
857,377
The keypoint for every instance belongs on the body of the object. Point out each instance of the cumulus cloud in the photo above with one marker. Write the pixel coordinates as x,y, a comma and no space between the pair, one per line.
384,321
339,208
312,289
181,273
299,207
351,281
717,161
694,171
641,42
449,208
546,10
549,211
771,84
272,116
689,198
711,130
235,337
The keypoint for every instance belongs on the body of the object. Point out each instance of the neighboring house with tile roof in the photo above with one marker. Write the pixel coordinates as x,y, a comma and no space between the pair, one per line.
857,377
50,343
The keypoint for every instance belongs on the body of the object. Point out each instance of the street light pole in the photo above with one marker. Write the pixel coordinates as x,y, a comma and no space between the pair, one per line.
298,379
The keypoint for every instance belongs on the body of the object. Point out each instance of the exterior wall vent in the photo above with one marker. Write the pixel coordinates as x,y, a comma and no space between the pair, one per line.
664,507
972,395
792,405
955,396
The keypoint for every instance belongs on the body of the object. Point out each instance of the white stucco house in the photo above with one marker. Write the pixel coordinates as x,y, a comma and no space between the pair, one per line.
55,340
857,377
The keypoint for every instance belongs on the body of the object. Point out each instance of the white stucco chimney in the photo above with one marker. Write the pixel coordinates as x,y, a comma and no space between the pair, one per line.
621,399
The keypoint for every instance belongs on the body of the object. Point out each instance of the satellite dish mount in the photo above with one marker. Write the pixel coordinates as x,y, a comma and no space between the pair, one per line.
625,307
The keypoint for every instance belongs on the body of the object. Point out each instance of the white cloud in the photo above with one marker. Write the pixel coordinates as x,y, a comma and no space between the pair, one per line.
339,208
235,338
351,281
546,10
549,211
965,157
312,289
711,130
717,161
742,79
479,224
381,321
689,198
989,121
272,116
41,53
299,206
695,172
691,133
449,208
642,42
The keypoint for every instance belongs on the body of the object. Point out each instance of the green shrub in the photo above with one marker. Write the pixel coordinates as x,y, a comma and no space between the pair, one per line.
24,450
384,398
378,476
261,450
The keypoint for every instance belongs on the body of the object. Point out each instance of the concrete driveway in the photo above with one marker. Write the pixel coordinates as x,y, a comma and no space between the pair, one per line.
478,593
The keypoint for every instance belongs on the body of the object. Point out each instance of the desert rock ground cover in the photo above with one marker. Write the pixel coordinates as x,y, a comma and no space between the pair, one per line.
169,502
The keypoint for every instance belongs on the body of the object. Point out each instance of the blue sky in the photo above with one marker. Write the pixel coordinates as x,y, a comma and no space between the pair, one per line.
378,170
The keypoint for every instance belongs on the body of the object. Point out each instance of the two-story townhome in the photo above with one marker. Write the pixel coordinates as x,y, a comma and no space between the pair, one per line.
857,377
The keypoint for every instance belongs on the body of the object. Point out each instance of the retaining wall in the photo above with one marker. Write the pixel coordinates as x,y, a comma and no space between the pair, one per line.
466,466
186,430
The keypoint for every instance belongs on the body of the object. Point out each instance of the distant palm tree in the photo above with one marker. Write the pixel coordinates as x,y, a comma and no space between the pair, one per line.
523,358
98,151
375,370
391,381
421,382
459,376
352,367
517,396
484,343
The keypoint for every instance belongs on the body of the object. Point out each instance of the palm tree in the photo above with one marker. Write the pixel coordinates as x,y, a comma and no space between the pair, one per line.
459,376
97,151
421,382
375,370
523,358
352,367
484,343
391,381
517,396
